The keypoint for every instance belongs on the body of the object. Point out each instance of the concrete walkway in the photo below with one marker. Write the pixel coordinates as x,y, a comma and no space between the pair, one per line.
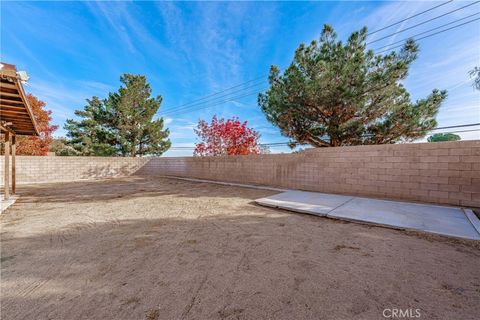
449,221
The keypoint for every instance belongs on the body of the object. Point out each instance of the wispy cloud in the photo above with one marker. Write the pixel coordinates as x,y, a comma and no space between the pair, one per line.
114,19
74,50
96,86
30,55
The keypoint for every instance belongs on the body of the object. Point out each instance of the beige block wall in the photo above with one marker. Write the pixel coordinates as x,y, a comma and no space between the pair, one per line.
444,172
31,169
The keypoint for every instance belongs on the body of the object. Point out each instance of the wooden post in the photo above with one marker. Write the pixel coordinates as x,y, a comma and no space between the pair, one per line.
14,151
6,172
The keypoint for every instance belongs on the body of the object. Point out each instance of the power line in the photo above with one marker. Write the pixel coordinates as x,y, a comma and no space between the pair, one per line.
286,144
458,126
435,129
216,93
210,100
460,131
430,35
192,107
200,101
410,17
426,21
175,112
433,29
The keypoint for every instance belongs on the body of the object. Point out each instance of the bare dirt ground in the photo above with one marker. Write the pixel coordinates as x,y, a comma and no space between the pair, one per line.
138,248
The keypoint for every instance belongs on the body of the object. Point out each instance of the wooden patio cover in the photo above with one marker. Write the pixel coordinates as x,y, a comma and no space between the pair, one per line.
16,118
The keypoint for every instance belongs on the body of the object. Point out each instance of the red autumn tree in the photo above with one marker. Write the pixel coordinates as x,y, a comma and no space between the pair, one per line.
226,137
37,145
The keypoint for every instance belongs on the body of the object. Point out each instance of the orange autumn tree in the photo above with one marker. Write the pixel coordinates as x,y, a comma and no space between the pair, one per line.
226,137
37,145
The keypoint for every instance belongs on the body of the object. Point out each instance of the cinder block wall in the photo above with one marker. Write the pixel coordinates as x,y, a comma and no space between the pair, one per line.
60,169
443,172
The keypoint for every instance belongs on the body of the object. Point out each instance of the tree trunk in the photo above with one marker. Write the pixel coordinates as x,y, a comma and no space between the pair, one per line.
134,150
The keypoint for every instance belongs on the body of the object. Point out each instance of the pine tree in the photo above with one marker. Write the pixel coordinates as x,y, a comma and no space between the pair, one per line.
336,94
91,136
132,111
121,124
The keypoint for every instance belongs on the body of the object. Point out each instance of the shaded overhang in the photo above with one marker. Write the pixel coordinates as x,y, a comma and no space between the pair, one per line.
15,112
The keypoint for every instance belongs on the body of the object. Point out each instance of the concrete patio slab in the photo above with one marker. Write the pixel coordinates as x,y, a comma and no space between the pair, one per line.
4,204
449,221
306,202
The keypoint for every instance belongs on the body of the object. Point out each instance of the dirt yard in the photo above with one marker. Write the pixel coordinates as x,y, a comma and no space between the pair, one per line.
139,248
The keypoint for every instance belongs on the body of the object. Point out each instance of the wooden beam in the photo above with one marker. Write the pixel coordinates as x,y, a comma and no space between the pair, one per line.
22,127
15,129
6,115
5,128
10,99
27,106
14,151
9,117
25,132
9,103
17,121
6,172
8,90
6,101
8,95
16,111
8,85
22,130
19,128
7,107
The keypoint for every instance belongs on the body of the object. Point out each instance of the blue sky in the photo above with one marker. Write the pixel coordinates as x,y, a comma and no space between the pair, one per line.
74,50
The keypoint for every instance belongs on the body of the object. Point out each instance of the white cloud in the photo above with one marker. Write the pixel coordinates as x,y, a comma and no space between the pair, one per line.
113,17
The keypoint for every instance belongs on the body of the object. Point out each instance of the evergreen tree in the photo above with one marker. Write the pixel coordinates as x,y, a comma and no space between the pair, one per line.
122,124
336,94
132,111
60,147
439,137
90,136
